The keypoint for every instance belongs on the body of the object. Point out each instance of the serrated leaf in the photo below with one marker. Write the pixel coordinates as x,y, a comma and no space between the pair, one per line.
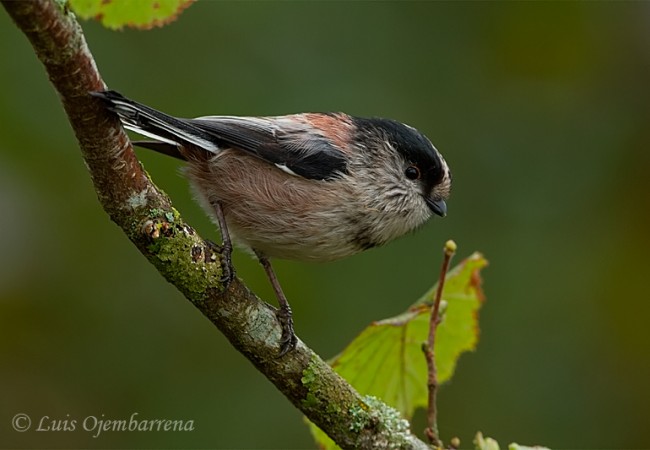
142,14
386,360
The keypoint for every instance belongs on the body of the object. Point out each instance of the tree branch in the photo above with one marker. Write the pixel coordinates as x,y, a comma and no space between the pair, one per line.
147,217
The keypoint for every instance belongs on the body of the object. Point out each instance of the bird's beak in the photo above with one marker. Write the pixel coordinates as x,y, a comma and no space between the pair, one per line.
439,207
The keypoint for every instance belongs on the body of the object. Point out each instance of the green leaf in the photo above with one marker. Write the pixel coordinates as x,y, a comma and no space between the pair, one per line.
386,360
523,447
483,443
142,14
323,441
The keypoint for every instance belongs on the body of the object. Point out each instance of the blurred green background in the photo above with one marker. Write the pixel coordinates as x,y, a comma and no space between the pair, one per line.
541,109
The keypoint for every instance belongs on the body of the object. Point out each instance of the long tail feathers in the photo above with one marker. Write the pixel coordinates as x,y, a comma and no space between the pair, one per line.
172,150
168,130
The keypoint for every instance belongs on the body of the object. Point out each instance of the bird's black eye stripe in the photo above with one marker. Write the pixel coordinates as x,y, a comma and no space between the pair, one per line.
412,173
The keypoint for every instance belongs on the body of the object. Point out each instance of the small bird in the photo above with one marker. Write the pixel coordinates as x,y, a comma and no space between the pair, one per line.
305,187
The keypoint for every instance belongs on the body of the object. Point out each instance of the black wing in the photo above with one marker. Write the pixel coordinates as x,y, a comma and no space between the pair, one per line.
288,142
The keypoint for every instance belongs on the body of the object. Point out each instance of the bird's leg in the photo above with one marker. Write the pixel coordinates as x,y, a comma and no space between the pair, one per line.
288,339
226,246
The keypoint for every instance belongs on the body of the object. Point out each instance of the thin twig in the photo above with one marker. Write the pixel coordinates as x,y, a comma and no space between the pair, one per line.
429,351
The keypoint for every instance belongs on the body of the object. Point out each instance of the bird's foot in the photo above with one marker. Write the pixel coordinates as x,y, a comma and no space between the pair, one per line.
225,251
288,339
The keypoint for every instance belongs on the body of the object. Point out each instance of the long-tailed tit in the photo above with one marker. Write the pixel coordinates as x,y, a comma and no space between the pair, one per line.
306,187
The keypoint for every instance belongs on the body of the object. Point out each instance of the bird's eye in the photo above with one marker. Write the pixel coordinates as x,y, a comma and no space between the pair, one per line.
412,173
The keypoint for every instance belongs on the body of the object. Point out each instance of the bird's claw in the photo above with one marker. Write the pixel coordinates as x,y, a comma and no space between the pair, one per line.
228,271
288,339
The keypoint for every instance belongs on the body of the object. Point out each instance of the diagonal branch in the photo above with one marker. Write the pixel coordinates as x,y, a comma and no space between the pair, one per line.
147,217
